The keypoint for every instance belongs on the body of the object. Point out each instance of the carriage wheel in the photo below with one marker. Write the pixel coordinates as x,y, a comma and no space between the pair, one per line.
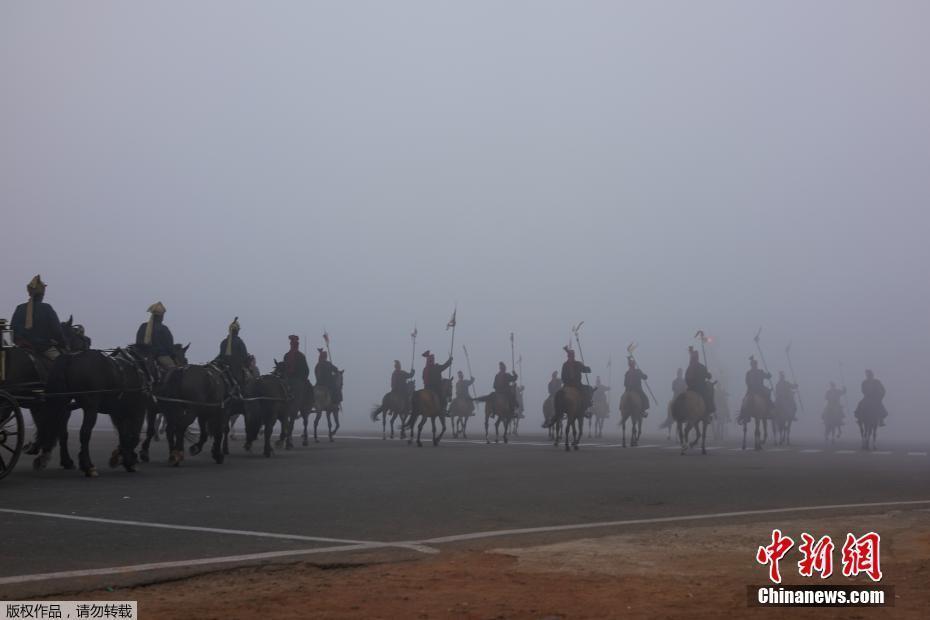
12,432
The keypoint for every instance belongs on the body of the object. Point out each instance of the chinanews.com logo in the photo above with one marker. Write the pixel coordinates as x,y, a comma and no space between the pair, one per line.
859,555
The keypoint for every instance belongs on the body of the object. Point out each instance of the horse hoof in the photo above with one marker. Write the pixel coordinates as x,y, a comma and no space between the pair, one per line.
315,440
91,472
194,450
305,442
40,462
268,453
218,459
435,443
576,448
68,465
506,440
31,448
131,469
144,456
115,459
703,451
419,444
278,443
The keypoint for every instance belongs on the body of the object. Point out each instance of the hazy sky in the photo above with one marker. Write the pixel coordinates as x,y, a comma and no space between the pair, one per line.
651,168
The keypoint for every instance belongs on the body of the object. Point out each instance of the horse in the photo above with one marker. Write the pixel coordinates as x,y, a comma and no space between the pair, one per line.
782,417
323,403
155,418
833,422
690,412
273,403
500,406
569,401
601,413
869,414
196,391
425,404
460,410
631,408
548,414
669,421
98,382
755,407
721,418
395,404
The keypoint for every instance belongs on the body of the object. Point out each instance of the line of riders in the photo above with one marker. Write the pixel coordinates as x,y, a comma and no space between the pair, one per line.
134,384
52,370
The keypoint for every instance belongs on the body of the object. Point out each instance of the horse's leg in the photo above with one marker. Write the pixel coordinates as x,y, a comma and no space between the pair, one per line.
197,447
487,419
745,430
90,407
384,422
420,431
150,431
217,424
704,437
433,425
316,422
623,430
64,455
268,432
757,433
335,430
442,431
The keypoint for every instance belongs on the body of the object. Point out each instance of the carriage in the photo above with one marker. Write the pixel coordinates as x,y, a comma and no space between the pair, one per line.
12,425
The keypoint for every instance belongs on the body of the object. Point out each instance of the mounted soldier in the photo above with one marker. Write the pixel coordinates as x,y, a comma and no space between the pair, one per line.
296,369
505,383
154,339
35,324
432,377
555,384
873,393
400,380
755,381
572,372
461,388
784,396
633,382
327,375
234,354
678,384
697,379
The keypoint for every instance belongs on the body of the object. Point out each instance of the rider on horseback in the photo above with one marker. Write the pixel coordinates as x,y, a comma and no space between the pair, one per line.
234,358
432,377
154,339
462,386
555,384
35,325
755,381
633,382
327,375
784,395
697,378
505,383
873,392
399,379
572,371
296,369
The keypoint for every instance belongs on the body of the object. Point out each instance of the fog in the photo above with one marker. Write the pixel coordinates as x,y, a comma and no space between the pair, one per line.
648,168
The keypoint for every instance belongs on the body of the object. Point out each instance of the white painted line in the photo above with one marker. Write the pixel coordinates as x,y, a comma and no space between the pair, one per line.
917,454
136,568
882,452
811,450
195,528
652,445
845,451
699,517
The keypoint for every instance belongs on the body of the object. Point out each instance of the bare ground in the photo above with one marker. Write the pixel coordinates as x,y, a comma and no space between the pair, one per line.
692,572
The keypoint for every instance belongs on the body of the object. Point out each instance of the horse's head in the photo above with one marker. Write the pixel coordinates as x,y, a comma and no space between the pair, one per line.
279,369
180,354
75,340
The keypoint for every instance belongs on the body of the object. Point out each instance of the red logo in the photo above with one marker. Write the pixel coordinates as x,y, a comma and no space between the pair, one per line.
859,555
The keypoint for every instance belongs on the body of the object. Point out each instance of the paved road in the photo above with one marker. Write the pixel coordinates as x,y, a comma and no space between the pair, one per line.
360,494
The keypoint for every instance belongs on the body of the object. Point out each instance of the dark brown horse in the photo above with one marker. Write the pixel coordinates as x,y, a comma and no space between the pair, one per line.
426,405
323,402
393,404
273,403
195,392
569,402
499,406
690,413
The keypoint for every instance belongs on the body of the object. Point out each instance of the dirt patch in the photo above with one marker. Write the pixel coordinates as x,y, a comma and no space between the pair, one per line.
696,572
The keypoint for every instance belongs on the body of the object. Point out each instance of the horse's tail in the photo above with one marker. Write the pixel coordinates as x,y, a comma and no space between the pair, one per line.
484,399
376,411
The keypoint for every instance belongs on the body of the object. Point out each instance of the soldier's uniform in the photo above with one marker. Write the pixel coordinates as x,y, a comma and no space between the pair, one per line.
154,339
555,384
504,384
399,379
784,396
633,382
873,393
432,377
755,381
697,378
35,324
327,374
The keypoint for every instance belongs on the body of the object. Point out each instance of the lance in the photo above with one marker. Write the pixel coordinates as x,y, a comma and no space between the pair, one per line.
630,348
762,356
413,348
451,324
520,364
575,330
610,375
703,338
326,340
468,365
793,378
513,358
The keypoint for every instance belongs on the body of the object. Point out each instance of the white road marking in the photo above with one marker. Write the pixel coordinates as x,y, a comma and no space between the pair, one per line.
137,568
683,518
419,544
811,450
882,452
209,530
845,451
917,454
